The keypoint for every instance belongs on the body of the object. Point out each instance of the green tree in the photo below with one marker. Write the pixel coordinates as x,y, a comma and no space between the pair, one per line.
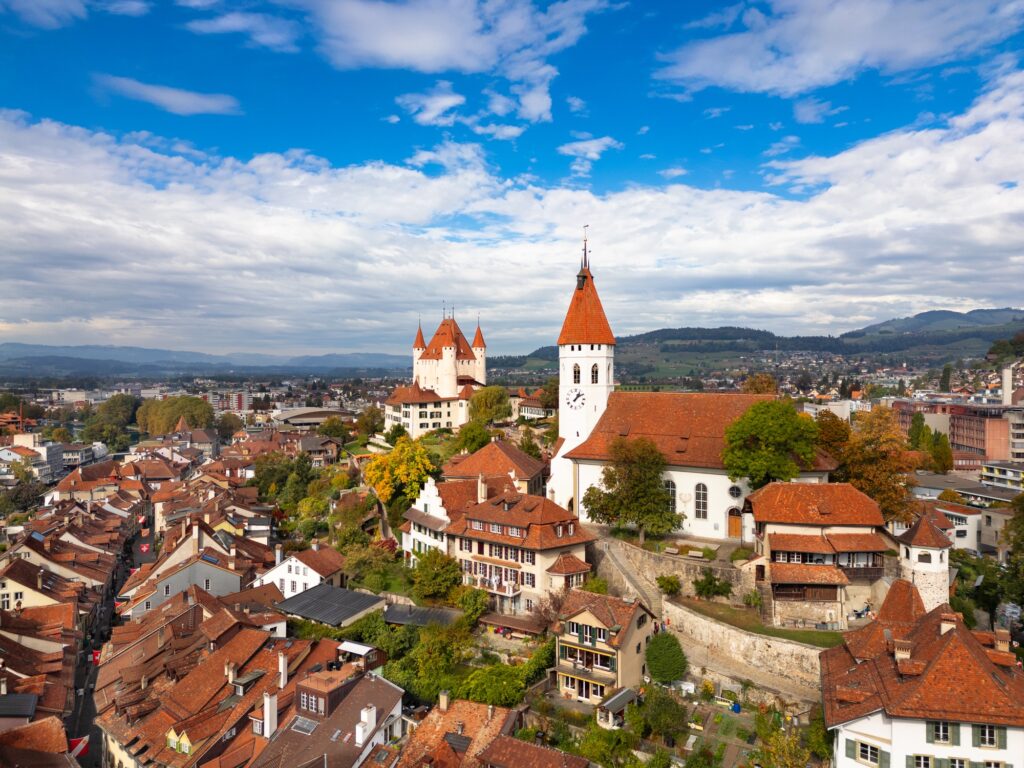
334,427
665,658
473,603
819,740
227,424
878,463
669,584
709,586
160,417
473,436
660,714
833,436
528,445
609,749
952,496
632,490
595,584
61,435
946,379
396,432
489,405
402,471
549,394
703,756
916,431
496,684
782,749
771,441
435,576
942,453
370,421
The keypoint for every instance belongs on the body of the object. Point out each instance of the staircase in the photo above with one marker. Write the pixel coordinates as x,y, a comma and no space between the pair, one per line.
764,588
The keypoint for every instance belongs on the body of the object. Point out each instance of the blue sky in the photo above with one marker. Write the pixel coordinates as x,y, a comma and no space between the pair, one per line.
312,175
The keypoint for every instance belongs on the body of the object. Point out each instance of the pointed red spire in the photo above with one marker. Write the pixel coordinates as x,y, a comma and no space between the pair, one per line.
182,425
585,322
478,340
419,343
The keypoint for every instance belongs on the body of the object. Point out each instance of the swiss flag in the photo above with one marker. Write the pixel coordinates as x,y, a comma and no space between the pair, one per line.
144,548
79,747
142,519
96,657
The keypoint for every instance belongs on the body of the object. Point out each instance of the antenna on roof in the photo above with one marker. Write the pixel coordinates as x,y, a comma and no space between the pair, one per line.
444,309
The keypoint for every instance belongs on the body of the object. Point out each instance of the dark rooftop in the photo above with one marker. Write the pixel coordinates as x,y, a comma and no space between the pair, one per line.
420,617
330,605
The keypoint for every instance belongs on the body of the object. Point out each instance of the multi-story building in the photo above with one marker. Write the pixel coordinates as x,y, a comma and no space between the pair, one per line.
304,569
445,373
1003,474
601,642
499,458
977,432
917,688
519,548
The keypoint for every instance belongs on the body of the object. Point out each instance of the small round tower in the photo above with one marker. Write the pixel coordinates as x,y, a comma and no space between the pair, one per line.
924,561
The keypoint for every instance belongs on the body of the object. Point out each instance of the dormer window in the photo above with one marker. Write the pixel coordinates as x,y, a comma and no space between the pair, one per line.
572,527
476,525
558,531
495,528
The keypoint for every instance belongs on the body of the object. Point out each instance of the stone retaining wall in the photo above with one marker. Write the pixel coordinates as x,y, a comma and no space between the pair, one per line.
723,647
653,564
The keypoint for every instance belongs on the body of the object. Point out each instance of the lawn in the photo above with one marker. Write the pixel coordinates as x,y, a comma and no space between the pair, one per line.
397,579
749,620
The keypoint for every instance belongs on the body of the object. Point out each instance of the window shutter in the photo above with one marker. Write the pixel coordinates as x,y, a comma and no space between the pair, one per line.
593,637
975,737
851,748
1001,737
941,762
954,734
611,663
883,759
579,633
930,732
910,761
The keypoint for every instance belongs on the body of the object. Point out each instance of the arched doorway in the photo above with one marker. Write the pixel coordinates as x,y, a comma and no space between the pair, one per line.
735,523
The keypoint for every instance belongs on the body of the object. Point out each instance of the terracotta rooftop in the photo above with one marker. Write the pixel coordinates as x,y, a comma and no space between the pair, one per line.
801,573
46,735
585,322
448,335
325,560
498,457
428,745
567,563
613,612
510,752
925,533
818,504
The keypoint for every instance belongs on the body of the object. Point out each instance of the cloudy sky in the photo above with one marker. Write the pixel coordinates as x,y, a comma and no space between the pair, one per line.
312,176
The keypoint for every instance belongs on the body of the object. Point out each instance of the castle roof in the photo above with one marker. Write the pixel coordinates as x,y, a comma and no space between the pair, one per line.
925,533
448,335
478,338
585,322
419,343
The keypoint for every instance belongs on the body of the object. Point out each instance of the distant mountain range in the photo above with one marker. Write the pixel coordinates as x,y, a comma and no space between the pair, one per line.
928,337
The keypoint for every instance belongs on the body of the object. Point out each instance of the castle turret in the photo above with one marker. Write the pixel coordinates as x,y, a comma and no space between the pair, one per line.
924,562
419,346
480,351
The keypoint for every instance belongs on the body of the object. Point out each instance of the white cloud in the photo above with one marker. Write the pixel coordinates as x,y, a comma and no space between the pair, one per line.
647,156
262,29
781,147
176,100
586,151
775,126
800,45
392,119
433,107
811,110
498,103
346,257
48,14
125,7
713,112
576,104
510,38
672,173
496,130
745,127
643,130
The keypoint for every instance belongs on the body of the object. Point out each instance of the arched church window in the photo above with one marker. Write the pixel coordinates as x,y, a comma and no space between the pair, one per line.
670,486
593,374
701,501
576,374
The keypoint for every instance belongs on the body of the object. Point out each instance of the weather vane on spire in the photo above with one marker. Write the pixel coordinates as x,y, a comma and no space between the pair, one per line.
585,263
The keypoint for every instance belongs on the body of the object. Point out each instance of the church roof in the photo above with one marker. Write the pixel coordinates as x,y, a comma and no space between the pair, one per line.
585,322
448,334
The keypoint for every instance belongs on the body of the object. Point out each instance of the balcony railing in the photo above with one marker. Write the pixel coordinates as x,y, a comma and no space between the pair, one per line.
508,588
571,665
869,573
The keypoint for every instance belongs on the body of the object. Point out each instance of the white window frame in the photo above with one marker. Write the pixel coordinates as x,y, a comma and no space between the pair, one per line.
988,736
574,628
864,753
922,761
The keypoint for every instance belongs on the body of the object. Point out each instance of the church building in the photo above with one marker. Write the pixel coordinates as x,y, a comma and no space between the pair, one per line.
445,374
689,428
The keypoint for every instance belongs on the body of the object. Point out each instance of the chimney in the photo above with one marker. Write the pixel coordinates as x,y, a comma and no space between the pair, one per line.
184,526
143,683
460,727
901,649
229,670
481,489
278,550
39,579
3,686
233,550
1008,385
269,714
282,670
1003,640
947,623
442,700
490,712
316,545
206,518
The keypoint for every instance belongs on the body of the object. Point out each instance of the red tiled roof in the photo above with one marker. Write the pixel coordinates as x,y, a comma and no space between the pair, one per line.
688,427
925,533
418,342
448,335
585,322
478,338
611,611
818,504
326,561
794,542
799,573
857,542
46,735
510,752
427,742
568,563
496,458
413,394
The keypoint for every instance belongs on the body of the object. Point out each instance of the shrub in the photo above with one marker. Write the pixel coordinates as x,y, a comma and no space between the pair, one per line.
710,586
669,584
752,599
707,690
665,658
596,584
709,553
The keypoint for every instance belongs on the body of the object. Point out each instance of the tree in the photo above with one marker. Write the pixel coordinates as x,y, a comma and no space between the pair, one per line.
402,471
633,490
473,603
596,585
819,740
703,756
1013,537
549,394
771,441
370,421
709,586
61,435
916,431
761,384
665,658
660,714
669,584
435,576
946,379
833,436
528,445
160,417
396,432
489,405
227,424
609,749
878,463
782,749
952,496
334,427
497,684
942,453
473,436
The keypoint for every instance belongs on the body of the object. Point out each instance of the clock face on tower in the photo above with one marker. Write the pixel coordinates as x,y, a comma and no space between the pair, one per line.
575,398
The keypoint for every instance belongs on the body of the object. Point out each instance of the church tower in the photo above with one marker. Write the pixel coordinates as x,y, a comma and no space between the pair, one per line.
924,561
586,377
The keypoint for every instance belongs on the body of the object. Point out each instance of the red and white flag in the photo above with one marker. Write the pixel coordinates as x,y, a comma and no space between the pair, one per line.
79,747
144,548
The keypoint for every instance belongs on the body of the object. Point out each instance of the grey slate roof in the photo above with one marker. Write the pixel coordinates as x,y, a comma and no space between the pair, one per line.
420,617
330,605
18,705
